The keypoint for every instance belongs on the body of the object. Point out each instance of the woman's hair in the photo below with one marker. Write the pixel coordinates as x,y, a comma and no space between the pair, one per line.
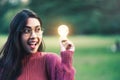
13,52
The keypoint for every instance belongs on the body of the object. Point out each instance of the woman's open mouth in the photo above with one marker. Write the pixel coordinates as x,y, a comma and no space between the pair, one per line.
32,44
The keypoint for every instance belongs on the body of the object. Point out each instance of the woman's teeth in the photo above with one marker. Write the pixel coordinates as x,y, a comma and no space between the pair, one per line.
32,44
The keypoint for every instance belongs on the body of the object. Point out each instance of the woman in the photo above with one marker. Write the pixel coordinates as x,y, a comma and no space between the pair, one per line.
22,56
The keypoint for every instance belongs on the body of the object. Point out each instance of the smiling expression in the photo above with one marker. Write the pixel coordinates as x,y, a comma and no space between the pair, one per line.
32,35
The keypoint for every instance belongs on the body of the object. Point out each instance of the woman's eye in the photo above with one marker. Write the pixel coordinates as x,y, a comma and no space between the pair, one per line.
27,31
38,30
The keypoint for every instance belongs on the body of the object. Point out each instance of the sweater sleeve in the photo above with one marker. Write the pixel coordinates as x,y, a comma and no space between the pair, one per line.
61,68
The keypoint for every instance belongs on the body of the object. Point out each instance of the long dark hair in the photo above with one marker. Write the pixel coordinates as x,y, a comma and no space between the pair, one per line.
12,52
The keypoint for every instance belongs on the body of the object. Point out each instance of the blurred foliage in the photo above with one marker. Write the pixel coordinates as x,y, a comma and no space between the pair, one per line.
82,16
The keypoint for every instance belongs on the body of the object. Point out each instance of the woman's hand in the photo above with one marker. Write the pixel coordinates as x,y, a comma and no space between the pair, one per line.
66,45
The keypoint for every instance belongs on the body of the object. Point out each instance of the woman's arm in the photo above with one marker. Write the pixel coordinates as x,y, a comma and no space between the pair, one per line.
61,68
67,71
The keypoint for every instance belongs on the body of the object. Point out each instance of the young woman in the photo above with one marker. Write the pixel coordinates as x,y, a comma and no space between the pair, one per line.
22,56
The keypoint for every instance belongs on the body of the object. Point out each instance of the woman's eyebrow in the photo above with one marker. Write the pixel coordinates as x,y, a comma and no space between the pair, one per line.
27,27
38,26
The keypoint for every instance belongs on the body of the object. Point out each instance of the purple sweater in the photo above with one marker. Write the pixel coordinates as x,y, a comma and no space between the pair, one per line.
48,66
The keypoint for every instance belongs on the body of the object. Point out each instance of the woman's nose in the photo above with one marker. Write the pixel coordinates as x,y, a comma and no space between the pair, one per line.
33,34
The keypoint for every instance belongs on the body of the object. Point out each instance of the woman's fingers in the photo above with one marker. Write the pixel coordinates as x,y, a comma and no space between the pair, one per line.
66,45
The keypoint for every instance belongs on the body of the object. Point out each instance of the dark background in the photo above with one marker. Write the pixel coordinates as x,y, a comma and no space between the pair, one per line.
82,16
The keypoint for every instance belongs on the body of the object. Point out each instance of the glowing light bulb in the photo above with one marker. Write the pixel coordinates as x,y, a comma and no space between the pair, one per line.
63,31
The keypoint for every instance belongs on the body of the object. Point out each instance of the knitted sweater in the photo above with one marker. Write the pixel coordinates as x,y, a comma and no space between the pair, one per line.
48,66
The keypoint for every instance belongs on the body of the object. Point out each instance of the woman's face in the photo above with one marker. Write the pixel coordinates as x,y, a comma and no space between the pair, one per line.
32,35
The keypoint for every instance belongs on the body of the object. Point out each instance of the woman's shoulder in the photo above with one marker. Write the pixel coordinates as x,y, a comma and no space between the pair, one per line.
51,57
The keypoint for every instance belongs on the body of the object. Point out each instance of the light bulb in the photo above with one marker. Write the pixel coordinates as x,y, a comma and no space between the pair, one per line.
63,31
